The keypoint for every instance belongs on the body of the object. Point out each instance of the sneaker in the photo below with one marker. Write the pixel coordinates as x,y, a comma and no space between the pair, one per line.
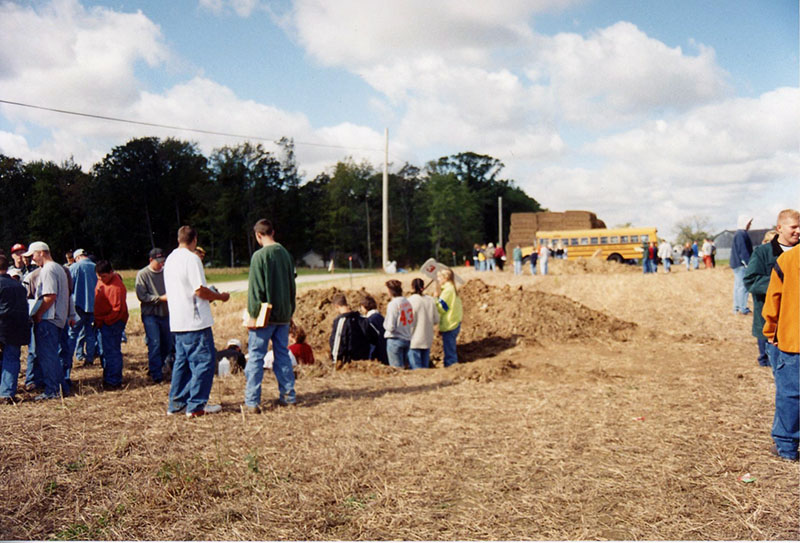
251,409
30,387
45,396
774,451
170,413
207,410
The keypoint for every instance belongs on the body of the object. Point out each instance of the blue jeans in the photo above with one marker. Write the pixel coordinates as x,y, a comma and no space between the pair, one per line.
518,267
10,371
543,265
419,359
763,356
111,352
491,264
160,344
533,266
193,372
83,339
258,343
667,264
65,357
47,337
33,371
645,265
695,262
739,290
397,351
449,346
786,424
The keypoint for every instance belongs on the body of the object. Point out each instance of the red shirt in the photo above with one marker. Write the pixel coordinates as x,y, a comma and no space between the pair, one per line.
110,304
302,352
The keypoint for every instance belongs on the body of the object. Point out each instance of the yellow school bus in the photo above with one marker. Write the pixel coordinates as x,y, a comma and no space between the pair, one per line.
616,244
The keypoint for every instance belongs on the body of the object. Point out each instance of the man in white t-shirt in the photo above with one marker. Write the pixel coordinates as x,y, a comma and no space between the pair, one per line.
188,299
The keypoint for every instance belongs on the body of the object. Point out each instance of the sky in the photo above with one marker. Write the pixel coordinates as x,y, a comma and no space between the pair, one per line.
642,111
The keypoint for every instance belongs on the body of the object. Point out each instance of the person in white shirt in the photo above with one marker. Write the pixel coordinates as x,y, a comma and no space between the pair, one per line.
399,325
426,317
190,320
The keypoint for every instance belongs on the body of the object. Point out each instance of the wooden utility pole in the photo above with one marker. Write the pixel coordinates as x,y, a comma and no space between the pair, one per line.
385,206
500,220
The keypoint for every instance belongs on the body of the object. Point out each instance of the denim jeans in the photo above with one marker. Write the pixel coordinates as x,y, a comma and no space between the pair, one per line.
160,344
763,357
645,265
786,424
419,359
47,337
10,371
258,343
695,262
667,264
543,265
449,346
739,290
397,351
533,266
33,371
193,372
491,264
518,267
111,352
65,357
83,339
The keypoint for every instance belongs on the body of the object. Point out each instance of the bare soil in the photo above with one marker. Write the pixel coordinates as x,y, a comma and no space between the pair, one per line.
594,403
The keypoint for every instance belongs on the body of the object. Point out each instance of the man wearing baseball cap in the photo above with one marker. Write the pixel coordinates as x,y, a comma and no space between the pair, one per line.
16,256
49,318
84,281
152,296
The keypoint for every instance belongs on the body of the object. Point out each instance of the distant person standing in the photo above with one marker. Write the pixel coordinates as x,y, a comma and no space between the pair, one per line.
665,254
52,298
377,349
398,324
759,270
500,257
544,256
190,320
152,295
533,258
695,255
516,255
707,253
426,317
84,281
110,315
271,281
450,314
14,331
741,250
782,330
686,254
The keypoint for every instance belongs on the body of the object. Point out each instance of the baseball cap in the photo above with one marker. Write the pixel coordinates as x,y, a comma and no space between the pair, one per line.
78,252
37,246
157,254
234,342
17,247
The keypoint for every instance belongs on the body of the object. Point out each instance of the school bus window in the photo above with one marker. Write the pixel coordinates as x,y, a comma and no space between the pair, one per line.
584,241
564,241
614,239
634,239
623,239
603,240
593,241
645,238
573,241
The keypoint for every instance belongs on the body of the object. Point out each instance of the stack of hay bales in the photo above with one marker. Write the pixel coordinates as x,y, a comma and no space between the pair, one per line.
525,225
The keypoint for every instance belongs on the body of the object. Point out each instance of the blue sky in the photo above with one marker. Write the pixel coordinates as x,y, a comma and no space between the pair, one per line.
644,111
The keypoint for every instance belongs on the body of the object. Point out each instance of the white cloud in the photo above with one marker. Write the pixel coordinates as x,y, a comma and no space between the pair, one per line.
242,8
364,32
619,73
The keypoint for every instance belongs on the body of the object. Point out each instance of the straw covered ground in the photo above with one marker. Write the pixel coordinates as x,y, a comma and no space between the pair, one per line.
594,403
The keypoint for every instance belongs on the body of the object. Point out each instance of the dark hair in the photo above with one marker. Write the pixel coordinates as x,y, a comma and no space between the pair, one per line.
264,227
3,263
339,300
186,234
395,287
417,285
298,333
368,302
104,266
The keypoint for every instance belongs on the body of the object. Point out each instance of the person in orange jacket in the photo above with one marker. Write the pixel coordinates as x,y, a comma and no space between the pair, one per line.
110,317
782,329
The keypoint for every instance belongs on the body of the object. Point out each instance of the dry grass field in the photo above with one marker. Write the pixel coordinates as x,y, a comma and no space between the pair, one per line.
594,403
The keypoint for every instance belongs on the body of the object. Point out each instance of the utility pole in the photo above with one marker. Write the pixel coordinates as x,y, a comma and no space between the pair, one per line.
385,207
500,220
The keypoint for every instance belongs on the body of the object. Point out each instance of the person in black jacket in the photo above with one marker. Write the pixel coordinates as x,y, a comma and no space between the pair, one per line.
351,336
377,348
15,330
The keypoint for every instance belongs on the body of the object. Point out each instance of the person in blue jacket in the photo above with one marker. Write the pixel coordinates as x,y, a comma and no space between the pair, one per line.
741,250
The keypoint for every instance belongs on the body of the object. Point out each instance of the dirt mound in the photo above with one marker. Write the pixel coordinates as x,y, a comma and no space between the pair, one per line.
495,319
588,265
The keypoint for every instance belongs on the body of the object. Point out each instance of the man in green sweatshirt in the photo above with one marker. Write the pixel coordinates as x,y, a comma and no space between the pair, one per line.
271,281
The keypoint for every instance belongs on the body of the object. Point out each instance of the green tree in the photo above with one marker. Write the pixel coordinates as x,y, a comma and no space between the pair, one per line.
452,214
16,189
694,228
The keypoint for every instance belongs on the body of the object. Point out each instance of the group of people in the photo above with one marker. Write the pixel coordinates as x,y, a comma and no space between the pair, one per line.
771,273
488,257
690,254
404,336
539,258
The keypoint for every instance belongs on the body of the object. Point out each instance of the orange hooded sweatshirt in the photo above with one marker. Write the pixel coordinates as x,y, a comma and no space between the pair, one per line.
110,302
782,305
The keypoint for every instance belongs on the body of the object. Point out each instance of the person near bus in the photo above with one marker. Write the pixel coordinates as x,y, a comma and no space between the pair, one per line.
544,256
665,254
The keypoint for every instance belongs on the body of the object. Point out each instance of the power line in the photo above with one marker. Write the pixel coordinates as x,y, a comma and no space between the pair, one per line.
183,128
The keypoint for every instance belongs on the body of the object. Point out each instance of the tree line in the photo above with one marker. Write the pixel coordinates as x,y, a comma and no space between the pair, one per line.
140,193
